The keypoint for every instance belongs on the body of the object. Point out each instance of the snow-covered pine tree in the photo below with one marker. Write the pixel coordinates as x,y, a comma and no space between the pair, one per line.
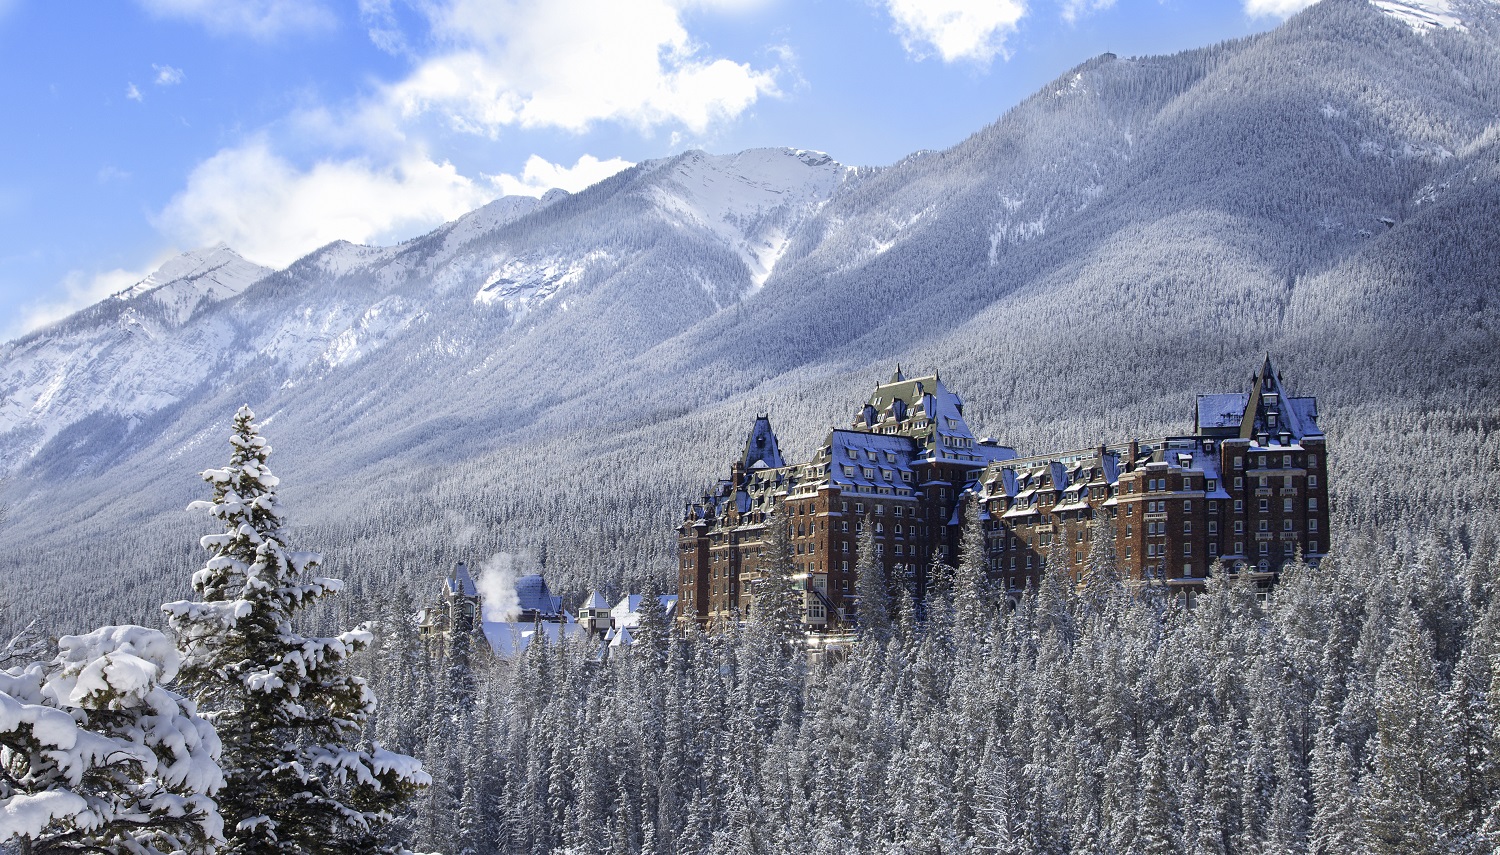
652,633
96,756
871,589
297,778
971,593
777,608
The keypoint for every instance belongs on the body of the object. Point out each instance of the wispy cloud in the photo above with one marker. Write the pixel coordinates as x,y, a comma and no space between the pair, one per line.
132,93
166,75
1275,8
274,212
1072,10
491,68
79,290
258,19
571,63
970,30
541,175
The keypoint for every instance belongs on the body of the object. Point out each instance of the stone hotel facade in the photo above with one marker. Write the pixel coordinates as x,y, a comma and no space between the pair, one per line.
1247,487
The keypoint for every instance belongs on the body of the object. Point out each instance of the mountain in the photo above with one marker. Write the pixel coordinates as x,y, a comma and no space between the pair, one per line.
108,356
554,377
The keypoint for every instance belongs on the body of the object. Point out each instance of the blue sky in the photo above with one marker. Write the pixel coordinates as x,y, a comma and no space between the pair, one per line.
141,128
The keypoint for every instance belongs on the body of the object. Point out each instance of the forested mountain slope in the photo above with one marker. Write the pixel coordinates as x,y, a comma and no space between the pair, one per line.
562,373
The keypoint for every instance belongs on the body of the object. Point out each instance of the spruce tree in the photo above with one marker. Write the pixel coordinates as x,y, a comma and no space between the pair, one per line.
97,756
971,596
297,778
871,588
652,633
778,594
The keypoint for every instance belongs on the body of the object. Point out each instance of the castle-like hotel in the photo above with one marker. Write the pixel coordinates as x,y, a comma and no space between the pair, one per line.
1248,487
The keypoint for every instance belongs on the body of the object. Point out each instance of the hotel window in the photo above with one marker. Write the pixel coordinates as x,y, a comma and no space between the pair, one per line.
1239,463
1264,481
1213,526
1288,550
1239,505
1239,547
1286,506
1312,460
1312,504
1286,460
1265,525
844,547
1212,486
1312,546
1312,524
1312,480
1127,552
1239,483
1213,549
859,507
1187,549
1187,506
1265,506
1287,481
1187,526
1265,548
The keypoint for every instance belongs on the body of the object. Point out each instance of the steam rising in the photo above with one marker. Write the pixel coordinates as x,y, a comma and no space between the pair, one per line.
496,583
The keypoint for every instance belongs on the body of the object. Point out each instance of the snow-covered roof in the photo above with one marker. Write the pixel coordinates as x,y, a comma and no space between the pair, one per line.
460,583
508,639
596,602
627,612
1221,411
761,448
532,594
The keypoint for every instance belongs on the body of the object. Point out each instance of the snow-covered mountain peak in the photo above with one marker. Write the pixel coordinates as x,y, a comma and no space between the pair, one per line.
208,274
751,200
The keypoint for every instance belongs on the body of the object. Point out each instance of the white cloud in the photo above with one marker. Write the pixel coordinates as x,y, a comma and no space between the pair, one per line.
271,211
80,290
498,65
1072,10
956,29
259,19
570,63
132,93
166,75
540,175
1275,8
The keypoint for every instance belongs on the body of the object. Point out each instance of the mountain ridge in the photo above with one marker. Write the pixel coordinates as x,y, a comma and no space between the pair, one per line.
1139,230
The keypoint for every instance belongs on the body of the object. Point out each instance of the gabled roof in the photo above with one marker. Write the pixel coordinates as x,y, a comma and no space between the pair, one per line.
532,594
460,583
761,448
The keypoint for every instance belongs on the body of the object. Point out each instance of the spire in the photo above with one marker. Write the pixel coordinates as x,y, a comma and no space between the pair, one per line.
761,448
898,376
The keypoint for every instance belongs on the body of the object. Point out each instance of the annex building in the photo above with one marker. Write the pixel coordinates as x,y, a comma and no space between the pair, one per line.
1247,487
